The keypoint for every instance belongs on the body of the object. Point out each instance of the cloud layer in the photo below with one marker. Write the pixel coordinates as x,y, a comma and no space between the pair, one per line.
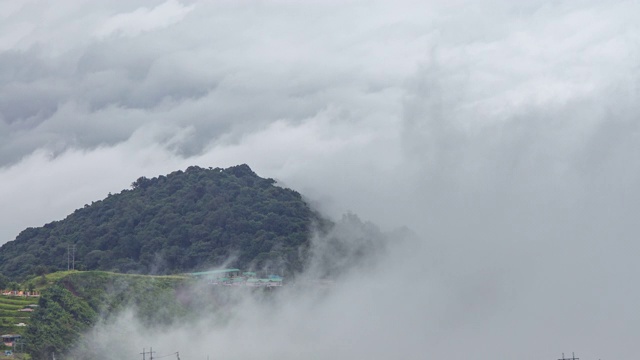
504,133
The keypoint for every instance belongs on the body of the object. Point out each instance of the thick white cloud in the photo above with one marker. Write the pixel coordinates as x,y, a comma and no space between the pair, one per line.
504,133
144,19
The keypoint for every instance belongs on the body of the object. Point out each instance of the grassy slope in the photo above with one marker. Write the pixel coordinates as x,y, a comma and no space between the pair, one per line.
94,295
10,304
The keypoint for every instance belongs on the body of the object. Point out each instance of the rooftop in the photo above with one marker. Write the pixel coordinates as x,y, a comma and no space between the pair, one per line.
214,272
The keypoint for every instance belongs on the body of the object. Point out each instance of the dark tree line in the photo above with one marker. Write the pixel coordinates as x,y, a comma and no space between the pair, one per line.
185,221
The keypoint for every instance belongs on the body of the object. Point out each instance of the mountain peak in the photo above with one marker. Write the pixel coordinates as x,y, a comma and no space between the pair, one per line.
187,220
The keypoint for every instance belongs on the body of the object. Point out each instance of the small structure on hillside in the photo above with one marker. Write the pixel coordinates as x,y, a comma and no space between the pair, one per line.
9,339
217,277
233,277
264,282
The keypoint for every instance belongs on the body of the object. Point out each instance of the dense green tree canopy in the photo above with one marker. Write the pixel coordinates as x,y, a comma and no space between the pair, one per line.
188,220
74,304
59,321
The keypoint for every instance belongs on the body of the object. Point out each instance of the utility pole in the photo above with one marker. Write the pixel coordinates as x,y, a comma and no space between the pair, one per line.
573,357
150,352
71,257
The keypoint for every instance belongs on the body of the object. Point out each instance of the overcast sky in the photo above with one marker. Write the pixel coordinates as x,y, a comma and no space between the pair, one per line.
506,134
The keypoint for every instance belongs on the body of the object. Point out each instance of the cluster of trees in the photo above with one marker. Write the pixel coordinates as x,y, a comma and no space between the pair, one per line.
58,324
7,284
185,221
69,308
75,303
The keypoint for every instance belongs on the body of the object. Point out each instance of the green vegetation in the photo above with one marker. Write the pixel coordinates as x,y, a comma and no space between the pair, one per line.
185,221
58,323
13,321
76,301
10,316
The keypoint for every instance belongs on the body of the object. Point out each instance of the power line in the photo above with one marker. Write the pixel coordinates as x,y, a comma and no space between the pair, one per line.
177,354
151,352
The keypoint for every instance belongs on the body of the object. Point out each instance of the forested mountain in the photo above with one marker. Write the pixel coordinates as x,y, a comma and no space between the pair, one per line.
188,220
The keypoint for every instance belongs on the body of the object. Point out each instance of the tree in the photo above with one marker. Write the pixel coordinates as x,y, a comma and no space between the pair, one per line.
40,270
61,318
141,183
4,281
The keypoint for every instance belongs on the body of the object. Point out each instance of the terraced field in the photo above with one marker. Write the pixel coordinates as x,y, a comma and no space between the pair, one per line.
10,316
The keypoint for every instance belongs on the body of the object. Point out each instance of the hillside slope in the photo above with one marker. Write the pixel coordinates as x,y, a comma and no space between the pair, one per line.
70,306
185,221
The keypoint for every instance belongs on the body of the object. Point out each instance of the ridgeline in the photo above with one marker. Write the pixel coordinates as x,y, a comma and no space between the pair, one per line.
186,221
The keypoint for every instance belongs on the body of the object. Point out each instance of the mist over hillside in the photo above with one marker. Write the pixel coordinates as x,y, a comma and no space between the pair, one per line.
83,314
